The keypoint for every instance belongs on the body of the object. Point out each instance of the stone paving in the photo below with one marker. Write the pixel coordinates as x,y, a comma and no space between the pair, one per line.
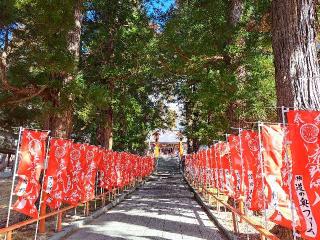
162,209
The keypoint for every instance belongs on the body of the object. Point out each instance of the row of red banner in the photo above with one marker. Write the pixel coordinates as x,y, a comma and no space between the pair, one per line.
73,171
276,168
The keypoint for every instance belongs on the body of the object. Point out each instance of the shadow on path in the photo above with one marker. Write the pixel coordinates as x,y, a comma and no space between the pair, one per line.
162,209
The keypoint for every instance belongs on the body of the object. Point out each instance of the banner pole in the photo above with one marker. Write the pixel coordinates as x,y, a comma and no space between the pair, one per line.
42,208
261,160
289,168
14,177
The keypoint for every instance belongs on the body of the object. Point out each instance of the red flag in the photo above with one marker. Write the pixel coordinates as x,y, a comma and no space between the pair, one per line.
221,163
211,166
56,174
225,164
216,165
253,174
113,171
26,206
237,165
76,170
31,161
91,162
277,196
104,169
304,137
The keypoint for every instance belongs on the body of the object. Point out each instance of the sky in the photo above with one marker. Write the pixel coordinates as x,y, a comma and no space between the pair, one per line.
157,8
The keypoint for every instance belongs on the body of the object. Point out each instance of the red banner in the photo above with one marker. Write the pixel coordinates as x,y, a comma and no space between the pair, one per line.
216,165
237,166
31,161
226,168
72,171
90,162
304,137
221,180
56,178
76,171
253,174
104,168
274,165
211,166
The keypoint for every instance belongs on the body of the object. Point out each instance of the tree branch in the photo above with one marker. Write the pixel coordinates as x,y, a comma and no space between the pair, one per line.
14,100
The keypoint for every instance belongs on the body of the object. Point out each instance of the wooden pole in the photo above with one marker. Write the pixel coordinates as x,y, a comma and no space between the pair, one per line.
234,220
59,222
42,222
241,209
43,196
9,235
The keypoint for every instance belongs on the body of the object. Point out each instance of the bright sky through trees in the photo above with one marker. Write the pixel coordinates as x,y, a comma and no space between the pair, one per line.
158,9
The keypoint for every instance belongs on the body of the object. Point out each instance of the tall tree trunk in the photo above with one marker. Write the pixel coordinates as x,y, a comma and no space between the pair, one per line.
235,12
295,60
105,129
61,122
295,55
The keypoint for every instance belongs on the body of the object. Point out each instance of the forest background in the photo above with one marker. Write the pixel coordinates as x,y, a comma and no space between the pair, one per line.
105,72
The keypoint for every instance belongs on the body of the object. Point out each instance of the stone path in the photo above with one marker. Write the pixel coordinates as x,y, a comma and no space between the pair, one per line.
162,209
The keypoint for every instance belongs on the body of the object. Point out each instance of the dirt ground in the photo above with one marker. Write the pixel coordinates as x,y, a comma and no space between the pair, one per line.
28,232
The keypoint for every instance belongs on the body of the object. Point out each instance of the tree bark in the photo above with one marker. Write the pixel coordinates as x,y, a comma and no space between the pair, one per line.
234,17
295,60
105,129
236,10
61,123
295,55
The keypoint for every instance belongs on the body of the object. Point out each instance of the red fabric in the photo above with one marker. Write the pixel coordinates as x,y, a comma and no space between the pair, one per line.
211,166
253,174
304,137
72,171
31,161
90,163
221,181
216,165
113,172
118,172
277,196
26,206
56,178
76,171
104,168
237,166
225,164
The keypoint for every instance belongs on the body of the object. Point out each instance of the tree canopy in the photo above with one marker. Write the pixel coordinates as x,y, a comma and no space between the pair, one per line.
104,71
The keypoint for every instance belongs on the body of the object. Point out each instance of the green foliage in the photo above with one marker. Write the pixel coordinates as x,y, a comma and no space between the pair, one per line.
116,62
196,45
222,75
36,55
